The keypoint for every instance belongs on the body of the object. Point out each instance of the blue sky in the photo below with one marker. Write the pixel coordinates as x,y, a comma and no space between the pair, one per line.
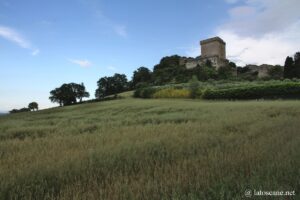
44,44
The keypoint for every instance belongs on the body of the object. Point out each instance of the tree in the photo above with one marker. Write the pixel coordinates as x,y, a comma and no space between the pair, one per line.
297,64
140,76
33,106
80,91
68,94
232,65
289,71
19,110
194,86
111,85
169,70
276,72
225,72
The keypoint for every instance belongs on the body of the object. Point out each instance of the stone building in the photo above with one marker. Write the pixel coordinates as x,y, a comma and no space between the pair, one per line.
212,49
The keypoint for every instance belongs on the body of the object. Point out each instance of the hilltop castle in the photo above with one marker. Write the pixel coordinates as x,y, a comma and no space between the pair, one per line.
212,49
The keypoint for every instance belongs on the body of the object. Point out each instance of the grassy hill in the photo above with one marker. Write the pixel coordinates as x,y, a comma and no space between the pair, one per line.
151,149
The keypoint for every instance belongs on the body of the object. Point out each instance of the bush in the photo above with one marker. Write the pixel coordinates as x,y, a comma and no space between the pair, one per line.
144,92
194,87
270,91
172,93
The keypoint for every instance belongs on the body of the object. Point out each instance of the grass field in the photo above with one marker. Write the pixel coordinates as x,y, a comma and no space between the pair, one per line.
151,149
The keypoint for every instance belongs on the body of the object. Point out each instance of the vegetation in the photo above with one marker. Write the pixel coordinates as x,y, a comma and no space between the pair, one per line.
33,106
227,90
150,149
172,93
19,110
111,85
68,94
141,76
275,91
292,66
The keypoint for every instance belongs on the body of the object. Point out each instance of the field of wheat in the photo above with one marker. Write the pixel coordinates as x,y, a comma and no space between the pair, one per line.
151,149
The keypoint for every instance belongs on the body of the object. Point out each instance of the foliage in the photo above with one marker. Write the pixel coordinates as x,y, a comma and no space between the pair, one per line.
141,76
292,66
19,110
33,106
289,70
203,73
297,64
150,149
111,85
275,91
225,72
276,72
146,92
172,93
194,87
68,94
168,70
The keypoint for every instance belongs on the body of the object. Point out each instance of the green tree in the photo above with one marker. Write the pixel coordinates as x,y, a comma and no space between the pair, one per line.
80,91
297,64
140,76
33,106
168,70
225,72
232,65
276,72
289,71
68,94
111,85
204,72
194,86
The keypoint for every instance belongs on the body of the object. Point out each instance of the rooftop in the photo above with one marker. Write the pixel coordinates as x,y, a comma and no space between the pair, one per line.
212,40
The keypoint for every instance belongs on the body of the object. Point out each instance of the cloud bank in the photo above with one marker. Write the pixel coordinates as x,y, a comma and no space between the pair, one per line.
261,31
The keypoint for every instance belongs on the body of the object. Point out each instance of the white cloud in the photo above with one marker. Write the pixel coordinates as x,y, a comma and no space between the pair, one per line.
11,35
15,37
262,31
121,30
82,63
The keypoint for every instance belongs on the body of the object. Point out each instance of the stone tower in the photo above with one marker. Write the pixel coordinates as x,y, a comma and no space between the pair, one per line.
213,47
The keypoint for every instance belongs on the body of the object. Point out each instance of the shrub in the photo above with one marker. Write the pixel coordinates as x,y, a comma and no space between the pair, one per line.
194,87
270,91
172,93
144,92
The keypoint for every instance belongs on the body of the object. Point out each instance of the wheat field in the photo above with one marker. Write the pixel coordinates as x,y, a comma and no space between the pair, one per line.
151,149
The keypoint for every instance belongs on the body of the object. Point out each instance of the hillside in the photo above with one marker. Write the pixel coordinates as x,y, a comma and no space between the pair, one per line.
151,149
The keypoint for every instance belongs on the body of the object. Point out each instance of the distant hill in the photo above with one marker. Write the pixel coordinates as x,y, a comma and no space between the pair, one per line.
1,113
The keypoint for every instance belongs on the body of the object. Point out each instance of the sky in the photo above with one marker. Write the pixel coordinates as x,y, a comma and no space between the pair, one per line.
44,43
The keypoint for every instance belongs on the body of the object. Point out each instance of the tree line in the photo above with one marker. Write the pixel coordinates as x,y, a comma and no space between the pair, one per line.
33,106
292,66
168,70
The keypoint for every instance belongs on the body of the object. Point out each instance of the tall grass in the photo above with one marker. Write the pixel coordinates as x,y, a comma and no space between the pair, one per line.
151,149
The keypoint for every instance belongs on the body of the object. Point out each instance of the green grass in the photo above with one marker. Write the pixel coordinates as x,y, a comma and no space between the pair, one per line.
151,149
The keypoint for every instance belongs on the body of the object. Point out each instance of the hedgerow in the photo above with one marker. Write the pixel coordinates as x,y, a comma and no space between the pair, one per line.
274,91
